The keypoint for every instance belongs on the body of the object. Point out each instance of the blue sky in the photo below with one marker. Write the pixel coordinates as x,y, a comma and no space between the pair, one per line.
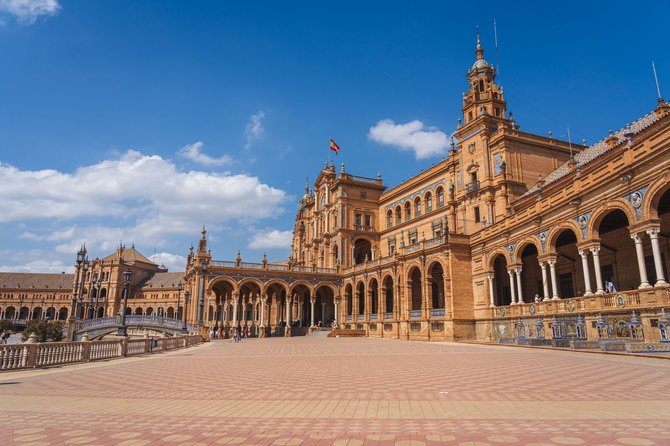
142,121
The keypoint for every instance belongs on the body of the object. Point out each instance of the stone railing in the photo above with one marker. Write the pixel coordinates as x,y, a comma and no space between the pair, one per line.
34,355
97,322
437,312
415,314
623,300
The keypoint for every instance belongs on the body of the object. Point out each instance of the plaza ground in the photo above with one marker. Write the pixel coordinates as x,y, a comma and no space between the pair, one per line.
325,391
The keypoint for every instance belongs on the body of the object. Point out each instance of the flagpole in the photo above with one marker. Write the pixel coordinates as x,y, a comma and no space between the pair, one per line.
329,151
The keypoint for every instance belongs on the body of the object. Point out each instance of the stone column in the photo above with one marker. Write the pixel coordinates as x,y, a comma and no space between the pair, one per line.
644,281
595,251
519,297
236,298
656,250
312,301
512,286
554,282
490,276
323,312
262,320
545,283
335,303
587,275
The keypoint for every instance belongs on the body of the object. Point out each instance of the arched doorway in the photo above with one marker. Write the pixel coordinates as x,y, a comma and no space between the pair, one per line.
360,298
615,246
324,309
348,298
414,284
250,293
374,299
62,314
436,281
362,251
388,298
301,306
531,276
138,311
10,313
502,294
568,271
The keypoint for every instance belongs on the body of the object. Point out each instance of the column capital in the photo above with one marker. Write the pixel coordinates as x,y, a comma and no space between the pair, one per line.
637,237
653,232
490,276
594,250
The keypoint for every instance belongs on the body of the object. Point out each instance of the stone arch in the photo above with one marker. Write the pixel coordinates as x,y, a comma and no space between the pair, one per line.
556,231
225,280
297,283
362,249
388,285
348,297
138,311
359,292
532,240
428,200
250,280
606,208
435,277
652,198
415,281
281,282
332,287
495,253
413,264
373,290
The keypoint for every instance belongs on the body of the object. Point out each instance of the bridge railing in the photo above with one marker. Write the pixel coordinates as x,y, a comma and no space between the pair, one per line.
34,355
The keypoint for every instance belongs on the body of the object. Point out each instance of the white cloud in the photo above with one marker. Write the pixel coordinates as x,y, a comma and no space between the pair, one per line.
135,198
194,153
410,136
174,263
254,128
271,239
40,265
28,11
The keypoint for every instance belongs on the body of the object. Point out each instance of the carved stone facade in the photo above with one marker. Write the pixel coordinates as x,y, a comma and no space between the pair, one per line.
511,230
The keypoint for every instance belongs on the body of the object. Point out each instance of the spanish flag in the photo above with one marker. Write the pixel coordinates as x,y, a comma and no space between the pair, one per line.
334,147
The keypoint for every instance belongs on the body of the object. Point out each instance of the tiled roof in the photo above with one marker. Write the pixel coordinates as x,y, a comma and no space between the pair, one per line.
164,280
129,255
40,281
596,150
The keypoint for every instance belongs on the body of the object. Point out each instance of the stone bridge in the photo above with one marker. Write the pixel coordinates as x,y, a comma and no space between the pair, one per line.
99,327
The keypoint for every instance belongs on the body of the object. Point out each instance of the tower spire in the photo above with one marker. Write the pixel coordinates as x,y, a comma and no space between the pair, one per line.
479,52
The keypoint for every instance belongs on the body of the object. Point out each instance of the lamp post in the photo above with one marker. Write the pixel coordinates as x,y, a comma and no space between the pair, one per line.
127,276
201,291
187,297
80,300
81,255
179,288
97,296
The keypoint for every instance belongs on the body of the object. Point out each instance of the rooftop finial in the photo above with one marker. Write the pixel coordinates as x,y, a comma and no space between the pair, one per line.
479,52
203,233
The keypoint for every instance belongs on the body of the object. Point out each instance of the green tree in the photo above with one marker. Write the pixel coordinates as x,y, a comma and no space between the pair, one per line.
45,331
6,325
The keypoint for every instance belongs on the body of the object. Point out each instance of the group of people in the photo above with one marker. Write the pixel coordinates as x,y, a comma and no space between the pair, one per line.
238,333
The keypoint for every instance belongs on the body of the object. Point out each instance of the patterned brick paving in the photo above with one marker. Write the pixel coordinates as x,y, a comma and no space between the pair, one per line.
343,392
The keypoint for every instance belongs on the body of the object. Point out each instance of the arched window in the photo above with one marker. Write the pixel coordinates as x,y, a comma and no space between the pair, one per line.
417,207
389,219
429,202
408,210
440,197
398,215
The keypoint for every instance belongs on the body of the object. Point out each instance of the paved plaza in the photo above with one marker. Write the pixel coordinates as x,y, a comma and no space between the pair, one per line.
326,391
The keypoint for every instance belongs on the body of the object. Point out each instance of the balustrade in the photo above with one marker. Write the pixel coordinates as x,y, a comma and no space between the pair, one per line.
32,355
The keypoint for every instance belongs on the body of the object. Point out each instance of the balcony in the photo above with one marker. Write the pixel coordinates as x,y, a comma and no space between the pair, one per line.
414,314
363,228
472,187
437,312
